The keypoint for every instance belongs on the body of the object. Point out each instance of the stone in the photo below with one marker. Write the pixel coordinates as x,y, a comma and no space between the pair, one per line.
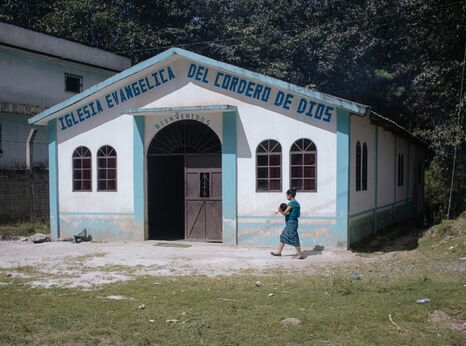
39,238
290,321
142,306
258,284
354,277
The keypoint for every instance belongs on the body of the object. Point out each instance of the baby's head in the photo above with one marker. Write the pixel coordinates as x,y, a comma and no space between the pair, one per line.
282,207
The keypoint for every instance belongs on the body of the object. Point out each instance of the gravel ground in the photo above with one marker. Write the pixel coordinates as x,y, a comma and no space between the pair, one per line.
86,265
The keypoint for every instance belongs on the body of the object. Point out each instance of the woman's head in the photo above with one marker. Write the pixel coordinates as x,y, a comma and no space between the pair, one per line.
291,193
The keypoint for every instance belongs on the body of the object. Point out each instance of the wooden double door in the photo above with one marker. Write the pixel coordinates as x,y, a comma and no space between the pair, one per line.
185,197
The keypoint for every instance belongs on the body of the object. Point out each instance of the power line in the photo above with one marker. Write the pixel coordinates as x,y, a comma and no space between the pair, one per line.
456,137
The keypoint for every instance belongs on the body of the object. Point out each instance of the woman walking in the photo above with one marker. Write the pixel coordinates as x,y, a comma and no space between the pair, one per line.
289,234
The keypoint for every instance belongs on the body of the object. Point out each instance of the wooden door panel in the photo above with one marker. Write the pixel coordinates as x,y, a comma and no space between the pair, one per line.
195,220
214,220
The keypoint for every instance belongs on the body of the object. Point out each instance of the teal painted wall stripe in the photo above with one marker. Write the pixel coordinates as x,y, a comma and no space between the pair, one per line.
53,179
342,197
277,217
386,206
229,179
138,169
94,213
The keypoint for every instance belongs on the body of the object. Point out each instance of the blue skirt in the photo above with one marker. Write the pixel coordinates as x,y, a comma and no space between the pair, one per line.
290,233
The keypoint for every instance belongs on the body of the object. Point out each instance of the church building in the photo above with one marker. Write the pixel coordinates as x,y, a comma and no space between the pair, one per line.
182,146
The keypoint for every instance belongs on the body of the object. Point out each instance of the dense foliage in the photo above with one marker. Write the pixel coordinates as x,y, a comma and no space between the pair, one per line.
402,57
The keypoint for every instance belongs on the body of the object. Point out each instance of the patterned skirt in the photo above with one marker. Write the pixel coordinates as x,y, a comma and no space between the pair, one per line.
290,233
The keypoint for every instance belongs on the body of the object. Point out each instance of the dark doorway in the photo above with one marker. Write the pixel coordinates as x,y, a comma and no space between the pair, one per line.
166,192
184,183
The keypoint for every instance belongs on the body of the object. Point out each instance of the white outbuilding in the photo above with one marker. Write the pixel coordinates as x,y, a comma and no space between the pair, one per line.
182,146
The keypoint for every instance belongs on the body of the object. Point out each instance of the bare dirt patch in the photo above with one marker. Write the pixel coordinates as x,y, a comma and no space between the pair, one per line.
442,319
86,265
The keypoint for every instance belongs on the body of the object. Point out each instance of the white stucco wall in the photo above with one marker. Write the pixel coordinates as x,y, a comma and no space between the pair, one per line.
386,168
255,124
363,131
119,134
35,79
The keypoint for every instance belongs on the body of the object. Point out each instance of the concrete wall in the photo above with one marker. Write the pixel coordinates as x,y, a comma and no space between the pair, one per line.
35,79
31,81
53,46
25,195
384,203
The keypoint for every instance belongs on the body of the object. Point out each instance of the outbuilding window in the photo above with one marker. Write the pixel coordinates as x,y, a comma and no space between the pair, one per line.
106,169
358,166
303,165
401,165
361,167
269,166
82,169
364,167
1,141
73,83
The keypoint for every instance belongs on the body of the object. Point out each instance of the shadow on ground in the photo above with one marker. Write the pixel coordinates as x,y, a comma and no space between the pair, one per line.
317,250
397,238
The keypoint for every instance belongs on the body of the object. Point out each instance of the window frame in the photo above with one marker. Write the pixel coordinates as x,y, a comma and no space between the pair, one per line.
303,165
257,154
400,170
71,75
106,169
358,168
1,141
81,169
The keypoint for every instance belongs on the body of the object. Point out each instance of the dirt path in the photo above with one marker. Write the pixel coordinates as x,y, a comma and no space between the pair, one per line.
88,264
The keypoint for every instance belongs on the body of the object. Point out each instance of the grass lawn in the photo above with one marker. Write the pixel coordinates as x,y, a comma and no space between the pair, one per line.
333,309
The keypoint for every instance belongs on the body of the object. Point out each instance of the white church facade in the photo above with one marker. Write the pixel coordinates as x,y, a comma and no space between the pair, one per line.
182,146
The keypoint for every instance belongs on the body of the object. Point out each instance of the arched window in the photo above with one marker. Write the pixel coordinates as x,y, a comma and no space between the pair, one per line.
106,169
303,165
358,166
82,169
364,167
269,166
